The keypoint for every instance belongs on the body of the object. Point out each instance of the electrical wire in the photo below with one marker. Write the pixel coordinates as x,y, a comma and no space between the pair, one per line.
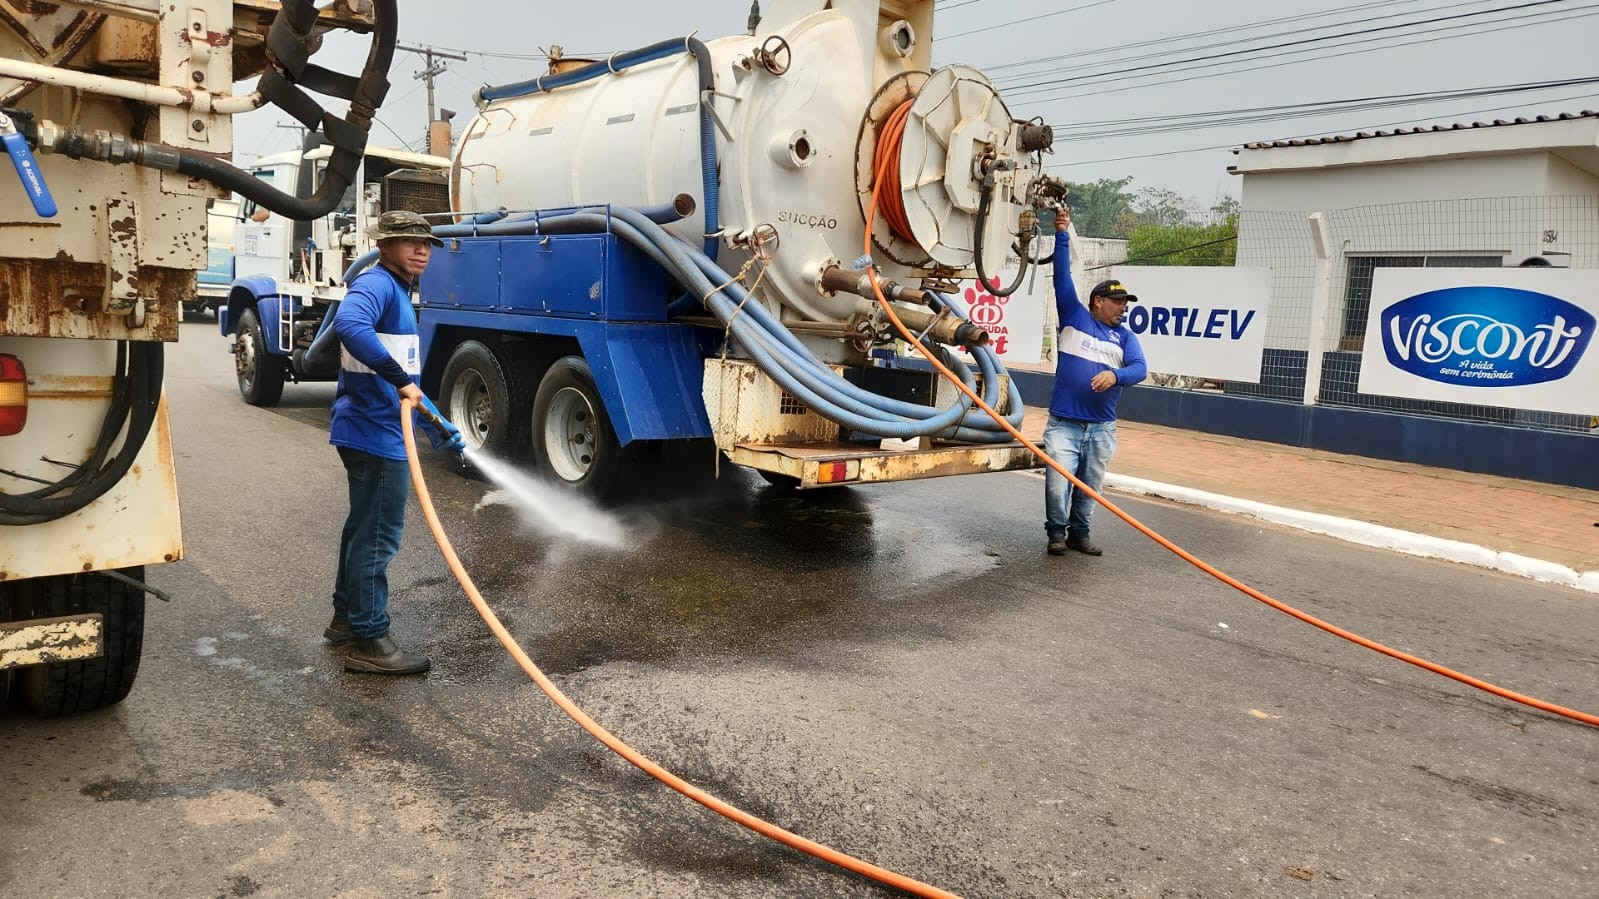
1517,22
1047,15
1163,57
1234,144
1122,49
1289,49
1228,118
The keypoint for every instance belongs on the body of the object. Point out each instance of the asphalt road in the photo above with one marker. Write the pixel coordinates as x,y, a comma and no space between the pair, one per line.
897,671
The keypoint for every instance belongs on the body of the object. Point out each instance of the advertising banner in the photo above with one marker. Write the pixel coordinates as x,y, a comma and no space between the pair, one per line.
1519,338
1202,321
1015,324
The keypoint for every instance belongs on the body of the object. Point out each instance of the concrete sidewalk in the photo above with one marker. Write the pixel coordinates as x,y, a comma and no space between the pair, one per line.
1540,530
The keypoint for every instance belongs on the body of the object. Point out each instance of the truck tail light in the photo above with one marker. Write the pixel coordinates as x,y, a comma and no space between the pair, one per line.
837,472
13,395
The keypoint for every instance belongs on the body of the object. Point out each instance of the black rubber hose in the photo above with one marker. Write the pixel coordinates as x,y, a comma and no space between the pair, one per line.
349,144
134,404
982,276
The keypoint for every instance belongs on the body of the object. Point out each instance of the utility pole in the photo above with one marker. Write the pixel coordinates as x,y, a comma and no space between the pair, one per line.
433,70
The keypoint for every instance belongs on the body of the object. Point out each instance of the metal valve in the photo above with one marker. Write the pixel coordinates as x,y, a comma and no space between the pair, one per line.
27,168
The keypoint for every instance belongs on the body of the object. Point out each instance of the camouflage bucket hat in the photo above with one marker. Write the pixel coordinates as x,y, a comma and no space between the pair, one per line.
402,223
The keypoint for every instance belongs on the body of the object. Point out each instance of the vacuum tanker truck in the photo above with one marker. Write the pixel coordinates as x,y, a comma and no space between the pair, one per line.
671,244
117,116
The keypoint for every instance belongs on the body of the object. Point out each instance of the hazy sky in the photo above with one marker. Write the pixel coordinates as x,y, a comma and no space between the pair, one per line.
1054,59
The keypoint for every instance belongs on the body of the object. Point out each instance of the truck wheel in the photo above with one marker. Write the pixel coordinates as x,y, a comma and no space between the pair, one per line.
65,688
486,396
573,443
261,374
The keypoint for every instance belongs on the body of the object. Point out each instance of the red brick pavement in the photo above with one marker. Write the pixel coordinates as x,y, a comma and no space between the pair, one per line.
1543,521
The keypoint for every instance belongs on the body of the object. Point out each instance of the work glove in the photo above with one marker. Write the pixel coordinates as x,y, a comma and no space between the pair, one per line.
441,432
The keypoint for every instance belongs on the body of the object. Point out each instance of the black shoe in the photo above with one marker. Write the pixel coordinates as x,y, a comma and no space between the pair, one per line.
1057,544
1084,545
379,655
338,631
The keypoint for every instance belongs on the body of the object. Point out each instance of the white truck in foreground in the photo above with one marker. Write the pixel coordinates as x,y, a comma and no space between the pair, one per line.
117,116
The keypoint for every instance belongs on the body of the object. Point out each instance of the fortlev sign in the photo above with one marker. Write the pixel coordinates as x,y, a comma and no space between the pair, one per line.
1517,338
1203,321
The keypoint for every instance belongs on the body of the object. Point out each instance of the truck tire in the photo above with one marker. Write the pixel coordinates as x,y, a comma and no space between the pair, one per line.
573,442
261,374
66,688
488,397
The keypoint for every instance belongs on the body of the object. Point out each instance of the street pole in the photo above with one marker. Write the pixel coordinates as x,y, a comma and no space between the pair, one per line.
433,69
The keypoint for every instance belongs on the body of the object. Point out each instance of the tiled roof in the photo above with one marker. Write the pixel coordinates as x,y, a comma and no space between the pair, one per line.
1458,126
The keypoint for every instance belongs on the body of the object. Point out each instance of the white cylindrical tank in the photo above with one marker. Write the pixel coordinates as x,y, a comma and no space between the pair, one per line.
795,145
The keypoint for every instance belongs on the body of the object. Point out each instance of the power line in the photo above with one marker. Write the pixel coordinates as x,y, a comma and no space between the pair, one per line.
1237,41
1230,29
1130,73
1227,118
1304,59
1059,12
1227,146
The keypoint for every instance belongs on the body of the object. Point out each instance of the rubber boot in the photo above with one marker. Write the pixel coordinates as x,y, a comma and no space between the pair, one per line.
1082,544
338,631
379,655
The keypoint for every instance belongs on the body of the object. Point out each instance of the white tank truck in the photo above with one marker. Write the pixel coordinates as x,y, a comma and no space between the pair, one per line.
762,146
117,115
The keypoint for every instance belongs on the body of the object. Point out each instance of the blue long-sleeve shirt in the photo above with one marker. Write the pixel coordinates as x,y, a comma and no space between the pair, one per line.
1087,347
381,354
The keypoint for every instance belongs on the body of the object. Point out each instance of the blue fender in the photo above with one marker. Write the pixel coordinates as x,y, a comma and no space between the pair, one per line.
259,293
649,378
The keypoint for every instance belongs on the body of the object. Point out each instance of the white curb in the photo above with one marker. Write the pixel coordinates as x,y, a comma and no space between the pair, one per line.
1367,534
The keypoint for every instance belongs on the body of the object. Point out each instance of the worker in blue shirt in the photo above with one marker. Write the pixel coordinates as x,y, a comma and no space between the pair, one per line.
1098,356
381,363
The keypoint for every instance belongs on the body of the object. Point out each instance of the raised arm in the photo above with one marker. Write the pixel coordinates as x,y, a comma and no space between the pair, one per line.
1066,300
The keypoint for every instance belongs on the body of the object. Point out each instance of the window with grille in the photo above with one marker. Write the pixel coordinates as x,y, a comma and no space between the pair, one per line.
1357,293
788,404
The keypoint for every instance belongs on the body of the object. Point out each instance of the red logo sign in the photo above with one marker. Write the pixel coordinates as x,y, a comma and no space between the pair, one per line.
988,312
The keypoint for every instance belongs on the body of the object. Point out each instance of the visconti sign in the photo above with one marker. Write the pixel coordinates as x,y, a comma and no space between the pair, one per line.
1518,338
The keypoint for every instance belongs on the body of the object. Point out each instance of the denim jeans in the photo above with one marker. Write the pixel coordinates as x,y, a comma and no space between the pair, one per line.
1083,448
371,537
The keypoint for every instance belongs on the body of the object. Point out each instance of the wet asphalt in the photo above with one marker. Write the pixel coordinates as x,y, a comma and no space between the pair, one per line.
896,671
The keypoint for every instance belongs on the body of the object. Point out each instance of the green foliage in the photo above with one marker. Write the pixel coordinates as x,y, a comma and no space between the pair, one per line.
1097,206
1184,244
1167,208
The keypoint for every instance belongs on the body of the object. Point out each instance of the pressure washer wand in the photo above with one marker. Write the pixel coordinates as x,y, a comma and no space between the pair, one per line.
446,430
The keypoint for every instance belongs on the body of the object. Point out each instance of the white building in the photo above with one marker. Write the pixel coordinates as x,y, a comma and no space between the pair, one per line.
1480,194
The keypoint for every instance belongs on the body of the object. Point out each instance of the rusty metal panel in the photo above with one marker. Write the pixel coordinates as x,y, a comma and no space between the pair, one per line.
134,523
44,641
746,406
62,298
877,465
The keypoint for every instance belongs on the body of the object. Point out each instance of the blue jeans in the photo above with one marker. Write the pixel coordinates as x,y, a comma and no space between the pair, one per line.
371,537
1083,448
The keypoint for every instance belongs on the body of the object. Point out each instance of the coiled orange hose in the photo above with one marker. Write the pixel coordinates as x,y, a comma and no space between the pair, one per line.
891,137
886,161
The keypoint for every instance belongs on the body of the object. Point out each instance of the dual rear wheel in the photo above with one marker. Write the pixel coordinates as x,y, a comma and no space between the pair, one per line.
487,393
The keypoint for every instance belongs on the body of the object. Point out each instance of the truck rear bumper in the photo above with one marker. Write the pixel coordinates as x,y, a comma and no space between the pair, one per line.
831,464
44,641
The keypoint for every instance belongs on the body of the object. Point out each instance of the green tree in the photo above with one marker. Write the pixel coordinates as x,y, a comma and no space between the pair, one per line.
1159,206
1184,244
1097,205
1227,207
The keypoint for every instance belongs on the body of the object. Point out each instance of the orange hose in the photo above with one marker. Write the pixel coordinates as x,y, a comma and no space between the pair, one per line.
1185,555
611,741
887,159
